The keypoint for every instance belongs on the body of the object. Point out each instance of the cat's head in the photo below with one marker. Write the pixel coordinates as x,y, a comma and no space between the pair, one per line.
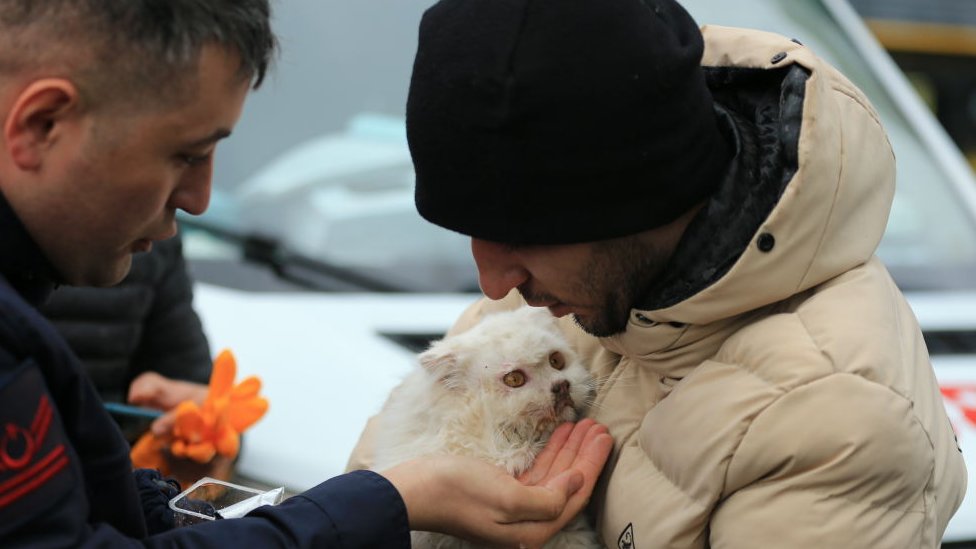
515,366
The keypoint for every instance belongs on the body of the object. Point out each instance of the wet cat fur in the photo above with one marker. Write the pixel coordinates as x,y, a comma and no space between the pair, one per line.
495,392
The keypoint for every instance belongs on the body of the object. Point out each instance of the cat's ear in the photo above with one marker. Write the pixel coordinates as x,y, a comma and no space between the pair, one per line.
440,360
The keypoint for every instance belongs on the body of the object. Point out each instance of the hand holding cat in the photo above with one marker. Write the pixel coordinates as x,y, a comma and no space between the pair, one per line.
471,499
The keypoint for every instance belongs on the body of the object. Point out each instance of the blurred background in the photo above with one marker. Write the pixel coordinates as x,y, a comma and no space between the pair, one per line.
934,43
314,267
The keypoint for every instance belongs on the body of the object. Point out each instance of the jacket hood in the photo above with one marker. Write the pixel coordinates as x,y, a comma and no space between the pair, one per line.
807,198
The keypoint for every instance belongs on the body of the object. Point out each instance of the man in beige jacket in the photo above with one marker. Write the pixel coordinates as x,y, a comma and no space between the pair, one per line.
701,207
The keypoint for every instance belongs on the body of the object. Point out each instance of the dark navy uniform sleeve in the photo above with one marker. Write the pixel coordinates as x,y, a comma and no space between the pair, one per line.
358,509
44,502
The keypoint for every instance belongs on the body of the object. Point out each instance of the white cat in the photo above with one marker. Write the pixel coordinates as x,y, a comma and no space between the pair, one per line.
495,392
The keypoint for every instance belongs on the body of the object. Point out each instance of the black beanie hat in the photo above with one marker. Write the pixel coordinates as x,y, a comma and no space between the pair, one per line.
560,121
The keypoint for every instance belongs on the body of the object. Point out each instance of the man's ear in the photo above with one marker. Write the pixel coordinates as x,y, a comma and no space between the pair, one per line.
33,121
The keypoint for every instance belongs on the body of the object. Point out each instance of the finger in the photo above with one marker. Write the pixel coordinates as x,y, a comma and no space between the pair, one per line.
569,451
541,503
593,455
540,467
163,425
550,513
144,389
594,432
568,482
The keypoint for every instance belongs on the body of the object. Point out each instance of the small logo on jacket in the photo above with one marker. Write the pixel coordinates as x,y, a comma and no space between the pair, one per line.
626,539
20,472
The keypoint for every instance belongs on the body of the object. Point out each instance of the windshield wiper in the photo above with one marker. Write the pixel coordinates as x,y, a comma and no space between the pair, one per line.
314,274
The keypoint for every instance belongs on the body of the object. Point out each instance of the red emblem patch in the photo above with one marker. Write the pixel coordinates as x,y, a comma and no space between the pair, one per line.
20,449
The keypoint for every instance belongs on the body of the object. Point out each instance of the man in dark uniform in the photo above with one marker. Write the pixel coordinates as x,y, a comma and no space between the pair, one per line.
145,324
110,111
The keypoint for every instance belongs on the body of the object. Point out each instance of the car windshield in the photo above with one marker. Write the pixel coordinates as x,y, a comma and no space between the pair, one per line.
319,163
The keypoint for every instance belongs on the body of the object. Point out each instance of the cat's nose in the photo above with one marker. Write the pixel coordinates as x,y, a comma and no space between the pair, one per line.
560,388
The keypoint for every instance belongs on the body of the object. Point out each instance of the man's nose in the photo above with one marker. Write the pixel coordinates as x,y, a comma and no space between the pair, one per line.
193,194
499,270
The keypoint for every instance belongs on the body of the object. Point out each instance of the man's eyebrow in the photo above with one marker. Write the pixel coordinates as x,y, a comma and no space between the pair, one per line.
217,135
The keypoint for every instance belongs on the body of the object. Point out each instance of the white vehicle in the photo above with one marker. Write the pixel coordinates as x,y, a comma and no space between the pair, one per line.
319,274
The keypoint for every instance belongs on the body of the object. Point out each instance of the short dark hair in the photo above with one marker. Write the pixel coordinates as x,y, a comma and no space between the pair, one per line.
141,44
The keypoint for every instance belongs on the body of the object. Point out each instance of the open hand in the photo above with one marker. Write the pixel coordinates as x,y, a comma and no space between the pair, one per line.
468,498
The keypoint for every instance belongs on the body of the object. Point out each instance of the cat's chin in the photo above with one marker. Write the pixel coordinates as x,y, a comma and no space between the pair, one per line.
564,407
568,413
558,415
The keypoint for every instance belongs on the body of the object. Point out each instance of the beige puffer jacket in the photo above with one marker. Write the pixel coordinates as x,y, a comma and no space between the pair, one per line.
790,403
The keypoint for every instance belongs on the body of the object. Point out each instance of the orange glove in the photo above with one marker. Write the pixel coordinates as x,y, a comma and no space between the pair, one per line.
202,432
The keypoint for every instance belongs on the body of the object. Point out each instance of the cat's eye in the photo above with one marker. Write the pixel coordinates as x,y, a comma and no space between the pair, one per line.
557,361
515,378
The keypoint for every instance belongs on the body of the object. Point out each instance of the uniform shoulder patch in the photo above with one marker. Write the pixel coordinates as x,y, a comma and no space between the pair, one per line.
34,456
626,539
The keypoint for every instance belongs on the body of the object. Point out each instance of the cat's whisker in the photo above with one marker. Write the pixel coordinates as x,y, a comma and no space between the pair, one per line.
623,382
591,407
